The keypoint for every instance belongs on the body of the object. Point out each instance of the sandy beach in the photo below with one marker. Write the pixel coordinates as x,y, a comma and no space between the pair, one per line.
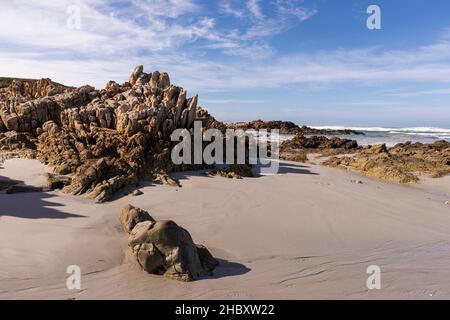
308,232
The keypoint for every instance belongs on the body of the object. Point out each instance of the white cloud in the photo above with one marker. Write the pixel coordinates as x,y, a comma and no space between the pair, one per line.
370,66
36,43
284,14
292,8
255,9
166,8
42,25
228,7
136,26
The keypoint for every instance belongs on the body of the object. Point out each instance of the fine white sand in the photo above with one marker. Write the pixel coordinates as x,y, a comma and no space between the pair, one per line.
309,232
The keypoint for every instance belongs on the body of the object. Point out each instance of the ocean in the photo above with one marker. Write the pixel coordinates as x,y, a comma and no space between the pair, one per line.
391,136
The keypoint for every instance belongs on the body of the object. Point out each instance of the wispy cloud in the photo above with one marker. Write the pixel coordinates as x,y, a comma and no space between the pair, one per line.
42,26
228,7
180,37
255,9
412,94
166,8
369,66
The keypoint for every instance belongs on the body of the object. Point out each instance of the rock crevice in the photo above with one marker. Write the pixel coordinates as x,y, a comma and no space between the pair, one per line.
105,139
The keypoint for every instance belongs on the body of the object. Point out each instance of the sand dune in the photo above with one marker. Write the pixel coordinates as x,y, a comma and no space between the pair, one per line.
309,232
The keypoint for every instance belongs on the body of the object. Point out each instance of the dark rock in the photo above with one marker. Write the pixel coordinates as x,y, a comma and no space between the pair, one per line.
284,127
300,146
55,181
25,189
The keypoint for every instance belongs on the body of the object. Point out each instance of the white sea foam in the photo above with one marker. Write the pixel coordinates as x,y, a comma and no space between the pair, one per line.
389,129
380,135
391,136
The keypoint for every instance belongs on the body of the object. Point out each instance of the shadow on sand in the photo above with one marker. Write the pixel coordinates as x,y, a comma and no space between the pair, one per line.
284,168
292,168
180,176
226,269
30,205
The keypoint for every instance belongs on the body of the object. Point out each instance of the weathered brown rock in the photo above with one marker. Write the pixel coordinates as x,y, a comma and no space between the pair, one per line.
319,143
136,74
131,216
298,148
209,121
288,127
328,132
13,140
237,171
209,263
25,189
403,163
105,139
163,247
56,181
284,127
32,88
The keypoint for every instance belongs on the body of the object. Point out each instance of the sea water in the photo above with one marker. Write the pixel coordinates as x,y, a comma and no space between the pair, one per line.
393,136
380,135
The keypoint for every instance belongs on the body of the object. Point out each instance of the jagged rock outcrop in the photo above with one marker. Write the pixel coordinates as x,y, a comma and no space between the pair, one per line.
32,89
403,163
319,143
284,127
163,247
300,146
105,139
209,121
288,127
56,181
328,132
12,140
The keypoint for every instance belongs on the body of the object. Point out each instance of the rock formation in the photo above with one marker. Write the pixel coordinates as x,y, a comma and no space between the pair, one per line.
164,248
288,127
403,163
284,127
233,172
104,139
300,146
32,89
329,132
99,142
319,143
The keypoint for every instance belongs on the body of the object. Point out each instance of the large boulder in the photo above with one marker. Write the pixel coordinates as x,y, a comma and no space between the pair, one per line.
165,248
131,216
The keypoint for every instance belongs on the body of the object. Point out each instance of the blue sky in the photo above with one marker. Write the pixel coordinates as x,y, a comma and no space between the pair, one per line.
313,62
